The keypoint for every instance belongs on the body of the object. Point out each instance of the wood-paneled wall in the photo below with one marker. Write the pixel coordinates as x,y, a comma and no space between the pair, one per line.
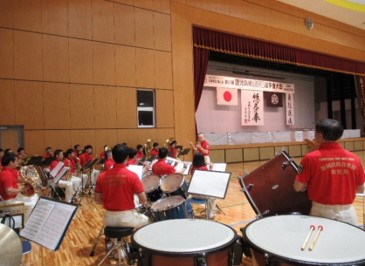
69,69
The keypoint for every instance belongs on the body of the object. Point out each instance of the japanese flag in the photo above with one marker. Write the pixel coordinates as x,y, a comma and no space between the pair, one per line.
227,96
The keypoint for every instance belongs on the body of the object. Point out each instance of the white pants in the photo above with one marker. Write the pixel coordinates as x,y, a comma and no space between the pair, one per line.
69,189
94,176
344,213
129,218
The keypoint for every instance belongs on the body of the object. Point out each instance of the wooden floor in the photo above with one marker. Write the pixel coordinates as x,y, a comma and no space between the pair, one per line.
86,225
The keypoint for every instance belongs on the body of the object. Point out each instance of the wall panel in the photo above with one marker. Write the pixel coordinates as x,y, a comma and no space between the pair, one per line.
163,70
6,53
29,104
7,106
124,24
129,136
80,19
27,55
104,63
105,113
125,65
55,58
57,106
82,137
164,109
54,17
105,137
162,31
82,106
162,6
34,142
126,107
103,21
80,61
27,15
145,68
6,11
144,28
58,139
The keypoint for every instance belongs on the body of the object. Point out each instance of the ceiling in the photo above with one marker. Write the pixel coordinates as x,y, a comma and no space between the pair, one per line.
350,12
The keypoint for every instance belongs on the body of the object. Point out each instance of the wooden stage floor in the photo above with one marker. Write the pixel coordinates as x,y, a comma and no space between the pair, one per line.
87,222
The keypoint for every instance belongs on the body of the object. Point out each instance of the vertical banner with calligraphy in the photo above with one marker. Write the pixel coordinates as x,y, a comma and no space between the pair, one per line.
252,103
290,109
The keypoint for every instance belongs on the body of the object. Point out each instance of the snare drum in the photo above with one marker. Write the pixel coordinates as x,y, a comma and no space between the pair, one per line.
169,208
151,185
277,240
174,184
185,242
269,188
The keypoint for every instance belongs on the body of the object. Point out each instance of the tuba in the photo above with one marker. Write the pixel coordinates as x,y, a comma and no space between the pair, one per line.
148,146
30,178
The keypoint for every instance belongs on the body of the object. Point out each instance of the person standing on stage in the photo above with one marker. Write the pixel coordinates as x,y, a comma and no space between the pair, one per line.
331,174
202,147
116,188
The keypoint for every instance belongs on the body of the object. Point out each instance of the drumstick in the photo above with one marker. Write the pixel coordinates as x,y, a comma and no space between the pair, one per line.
311,229
320,228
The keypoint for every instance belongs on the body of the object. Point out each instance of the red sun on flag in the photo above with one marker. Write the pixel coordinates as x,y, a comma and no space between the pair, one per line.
227,96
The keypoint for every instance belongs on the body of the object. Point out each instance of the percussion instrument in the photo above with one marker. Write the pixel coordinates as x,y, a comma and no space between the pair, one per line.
10,246
174,184
173,207
279,240
269,188
151,185
185,242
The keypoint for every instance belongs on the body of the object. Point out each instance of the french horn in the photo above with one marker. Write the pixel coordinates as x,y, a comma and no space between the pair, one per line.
30,178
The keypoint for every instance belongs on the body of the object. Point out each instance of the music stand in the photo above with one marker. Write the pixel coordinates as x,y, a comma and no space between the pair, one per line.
184,152
88,165
57,176
209,184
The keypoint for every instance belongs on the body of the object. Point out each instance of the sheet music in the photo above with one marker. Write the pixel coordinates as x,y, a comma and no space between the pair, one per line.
58,167
137,169
209,183
60,174
221,167
180,166
48,223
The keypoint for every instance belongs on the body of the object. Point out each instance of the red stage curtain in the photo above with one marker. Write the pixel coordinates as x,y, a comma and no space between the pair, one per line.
245,47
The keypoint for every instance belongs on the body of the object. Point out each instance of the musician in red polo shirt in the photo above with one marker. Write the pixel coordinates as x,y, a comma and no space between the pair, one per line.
162,168
116,188
86,157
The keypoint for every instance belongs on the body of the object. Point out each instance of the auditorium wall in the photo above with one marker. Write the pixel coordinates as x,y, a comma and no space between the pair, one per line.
69,69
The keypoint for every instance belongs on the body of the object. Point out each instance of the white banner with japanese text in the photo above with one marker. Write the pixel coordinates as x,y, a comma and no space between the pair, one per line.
252,108
290,109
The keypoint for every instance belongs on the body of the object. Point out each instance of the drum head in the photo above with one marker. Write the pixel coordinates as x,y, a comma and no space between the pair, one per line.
172,182
151,182
269,189
282,236
184,237
167,203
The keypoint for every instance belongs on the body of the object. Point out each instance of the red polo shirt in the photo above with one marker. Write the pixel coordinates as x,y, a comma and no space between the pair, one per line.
8,179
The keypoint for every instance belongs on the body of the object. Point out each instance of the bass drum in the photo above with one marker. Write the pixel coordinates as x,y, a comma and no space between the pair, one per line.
269,188
278,240
185,242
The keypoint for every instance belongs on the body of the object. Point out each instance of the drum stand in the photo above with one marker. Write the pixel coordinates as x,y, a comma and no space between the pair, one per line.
96,242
